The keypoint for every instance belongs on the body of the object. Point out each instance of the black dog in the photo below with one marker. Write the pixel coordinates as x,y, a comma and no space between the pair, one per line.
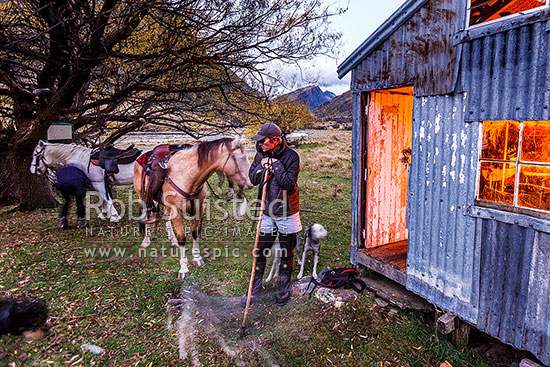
23,316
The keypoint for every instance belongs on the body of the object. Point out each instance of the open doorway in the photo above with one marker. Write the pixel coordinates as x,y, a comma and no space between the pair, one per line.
388,154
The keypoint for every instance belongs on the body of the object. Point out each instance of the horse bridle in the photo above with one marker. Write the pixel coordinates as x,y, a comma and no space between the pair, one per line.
39,156
48,172
231,155
198,191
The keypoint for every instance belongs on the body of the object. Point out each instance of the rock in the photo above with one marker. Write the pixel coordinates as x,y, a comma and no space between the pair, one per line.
335,296
325,295
93,348
380,302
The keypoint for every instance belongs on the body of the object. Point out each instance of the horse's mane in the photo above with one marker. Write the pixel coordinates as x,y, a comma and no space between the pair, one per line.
205,148
62,152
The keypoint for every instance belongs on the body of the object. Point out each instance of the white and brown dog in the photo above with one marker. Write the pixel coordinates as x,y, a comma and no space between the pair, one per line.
312,242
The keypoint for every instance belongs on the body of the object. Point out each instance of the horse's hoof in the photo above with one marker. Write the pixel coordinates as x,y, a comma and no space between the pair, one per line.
102,216
145,244
114,220
300,276
175,244
182,275
198,262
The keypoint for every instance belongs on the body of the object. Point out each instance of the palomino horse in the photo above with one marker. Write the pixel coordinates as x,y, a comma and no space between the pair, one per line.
184,190
55,155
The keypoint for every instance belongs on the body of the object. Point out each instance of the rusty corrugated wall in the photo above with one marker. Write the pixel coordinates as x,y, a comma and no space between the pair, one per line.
505,69
356,175
515,286
444,245
491,268
419,53
507,73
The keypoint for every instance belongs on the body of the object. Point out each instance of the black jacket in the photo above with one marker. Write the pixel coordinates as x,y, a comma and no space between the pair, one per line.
71,177
282,194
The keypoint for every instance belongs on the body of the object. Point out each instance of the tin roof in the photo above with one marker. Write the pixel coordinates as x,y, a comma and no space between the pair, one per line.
380,35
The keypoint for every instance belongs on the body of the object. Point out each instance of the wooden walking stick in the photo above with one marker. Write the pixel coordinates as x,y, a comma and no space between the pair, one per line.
254,257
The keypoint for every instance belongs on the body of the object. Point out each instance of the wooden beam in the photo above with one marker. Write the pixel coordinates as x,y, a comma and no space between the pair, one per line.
461,335
446,323
392,272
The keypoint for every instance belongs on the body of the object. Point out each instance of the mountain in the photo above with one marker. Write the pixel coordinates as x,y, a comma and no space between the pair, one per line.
329,94
311,96
336,110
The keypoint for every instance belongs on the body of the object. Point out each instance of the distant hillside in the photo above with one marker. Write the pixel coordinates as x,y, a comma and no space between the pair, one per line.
311,96
329,94
336,110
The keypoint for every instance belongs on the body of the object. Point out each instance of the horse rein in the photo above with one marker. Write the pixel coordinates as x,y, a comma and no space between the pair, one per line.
199,190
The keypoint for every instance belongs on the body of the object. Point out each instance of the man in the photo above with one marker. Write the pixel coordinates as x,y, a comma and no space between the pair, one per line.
72,182
281,214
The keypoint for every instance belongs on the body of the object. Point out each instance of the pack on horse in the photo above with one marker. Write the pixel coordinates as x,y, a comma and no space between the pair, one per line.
56,155
182,185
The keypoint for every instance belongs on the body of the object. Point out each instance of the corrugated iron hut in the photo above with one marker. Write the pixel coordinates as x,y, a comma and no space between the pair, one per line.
451,160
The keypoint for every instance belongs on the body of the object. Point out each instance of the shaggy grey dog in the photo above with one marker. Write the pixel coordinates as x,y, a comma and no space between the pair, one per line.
23,316
312,242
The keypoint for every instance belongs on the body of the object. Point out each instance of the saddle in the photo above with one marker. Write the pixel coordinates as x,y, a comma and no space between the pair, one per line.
154,165
160,155
110,157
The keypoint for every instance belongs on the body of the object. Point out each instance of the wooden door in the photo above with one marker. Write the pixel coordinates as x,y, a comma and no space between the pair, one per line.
389,135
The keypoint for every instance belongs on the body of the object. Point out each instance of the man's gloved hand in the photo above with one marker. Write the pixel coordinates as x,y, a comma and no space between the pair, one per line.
267,163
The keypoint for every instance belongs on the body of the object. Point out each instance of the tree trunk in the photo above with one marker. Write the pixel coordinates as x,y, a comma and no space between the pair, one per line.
17,184
8,191
34,191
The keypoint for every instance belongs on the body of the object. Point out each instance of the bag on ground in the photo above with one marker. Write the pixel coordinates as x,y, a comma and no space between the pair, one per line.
338,278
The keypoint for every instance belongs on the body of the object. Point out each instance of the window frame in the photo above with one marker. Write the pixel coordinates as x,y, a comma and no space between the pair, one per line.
515,208
511,16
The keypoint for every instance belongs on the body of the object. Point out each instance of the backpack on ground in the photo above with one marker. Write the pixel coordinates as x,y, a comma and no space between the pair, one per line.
338,278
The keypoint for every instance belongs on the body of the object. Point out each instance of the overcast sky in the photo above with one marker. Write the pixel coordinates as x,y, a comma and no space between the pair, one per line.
362,18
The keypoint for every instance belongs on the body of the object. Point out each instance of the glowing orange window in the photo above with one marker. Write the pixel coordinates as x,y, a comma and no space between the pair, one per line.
482,11
515,164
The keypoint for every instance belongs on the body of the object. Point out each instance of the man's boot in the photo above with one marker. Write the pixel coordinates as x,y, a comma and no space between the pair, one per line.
283,283
63,223
256,285
288,242
81,223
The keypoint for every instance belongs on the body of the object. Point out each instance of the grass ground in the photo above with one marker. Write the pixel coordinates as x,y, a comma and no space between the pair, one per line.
119,302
